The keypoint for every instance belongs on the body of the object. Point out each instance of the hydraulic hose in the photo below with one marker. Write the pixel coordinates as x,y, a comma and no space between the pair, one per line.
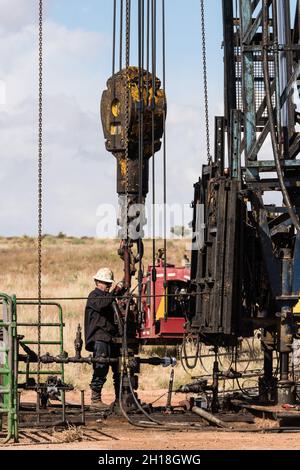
184,356
125,352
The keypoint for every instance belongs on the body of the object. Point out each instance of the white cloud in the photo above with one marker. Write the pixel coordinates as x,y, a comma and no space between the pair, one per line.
16,13
76,180
78,173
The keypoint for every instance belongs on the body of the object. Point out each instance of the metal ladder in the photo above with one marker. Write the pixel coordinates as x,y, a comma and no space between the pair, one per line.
8,368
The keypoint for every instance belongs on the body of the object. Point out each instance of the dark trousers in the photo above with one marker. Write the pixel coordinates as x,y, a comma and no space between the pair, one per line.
103,349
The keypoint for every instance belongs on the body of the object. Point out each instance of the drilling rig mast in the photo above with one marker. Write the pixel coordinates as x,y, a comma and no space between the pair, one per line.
246,261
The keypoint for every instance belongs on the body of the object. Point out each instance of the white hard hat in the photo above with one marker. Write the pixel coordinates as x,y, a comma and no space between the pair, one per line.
105,275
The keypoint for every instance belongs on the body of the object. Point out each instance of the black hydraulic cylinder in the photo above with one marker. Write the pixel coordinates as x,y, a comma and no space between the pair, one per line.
284,366
268,363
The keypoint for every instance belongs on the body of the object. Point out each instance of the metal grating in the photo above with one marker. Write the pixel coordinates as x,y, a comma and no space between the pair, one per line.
259,80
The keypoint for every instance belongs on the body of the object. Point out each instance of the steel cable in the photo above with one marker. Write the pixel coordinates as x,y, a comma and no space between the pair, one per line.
164,157
141,147
153,15
127,91
148,48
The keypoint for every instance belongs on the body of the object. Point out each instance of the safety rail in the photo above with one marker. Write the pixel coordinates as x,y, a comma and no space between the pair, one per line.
8,368
60,324
9,363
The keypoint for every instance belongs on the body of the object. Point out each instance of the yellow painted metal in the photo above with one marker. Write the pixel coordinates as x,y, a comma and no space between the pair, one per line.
162,308
297,308
116,108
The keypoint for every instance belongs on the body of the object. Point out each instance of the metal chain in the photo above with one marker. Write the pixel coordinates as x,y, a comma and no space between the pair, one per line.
40,180
204,62
114,37
121,35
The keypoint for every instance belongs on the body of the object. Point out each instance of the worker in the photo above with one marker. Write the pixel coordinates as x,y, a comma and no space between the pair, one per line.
100,330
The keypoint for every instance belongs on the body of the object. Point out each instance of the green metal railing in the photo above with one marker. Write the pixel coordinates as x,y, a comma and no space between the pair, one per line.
60,342
9,364
8,367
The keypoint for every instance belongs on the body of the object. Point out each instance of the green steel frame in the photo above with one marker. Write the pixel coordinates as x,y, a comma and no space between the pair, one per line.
60,342
9,355
8,367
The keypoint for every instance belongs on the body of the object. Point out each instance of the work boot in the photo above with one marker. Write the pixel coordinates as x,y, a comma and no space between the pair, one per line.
96,401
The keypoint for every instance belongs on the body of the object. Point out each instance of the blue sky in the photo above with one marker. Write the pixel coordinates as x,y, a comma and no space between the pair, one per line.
79,175
183,37
96,15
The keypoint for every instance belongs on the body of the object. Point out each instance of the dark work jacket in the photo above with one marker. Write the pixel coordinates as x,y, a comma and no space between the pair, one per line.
99,319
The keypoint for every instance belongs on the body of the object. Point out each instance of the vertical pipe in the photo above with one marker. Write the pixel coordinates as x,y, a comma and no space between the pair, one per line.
215,388
236,170
277,67
15,343
19,402
148,47
61,338
38,397
219,143
127,268
82,407
282,6
296,267
267,383
229,65
268,363
63,401
284,366
286,387
170,391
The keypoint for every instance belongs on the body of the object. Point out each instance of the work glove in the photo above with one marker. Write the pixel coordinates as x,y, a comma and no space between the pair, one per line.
119,289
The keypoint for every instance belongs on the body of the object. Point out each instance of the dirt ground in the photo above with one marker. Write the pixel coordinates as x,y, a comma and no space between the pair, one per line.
117,434
132,439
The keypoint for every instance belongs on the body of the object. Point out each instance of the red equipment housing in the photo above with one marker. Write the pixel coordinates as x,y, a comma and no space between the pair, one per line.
164,309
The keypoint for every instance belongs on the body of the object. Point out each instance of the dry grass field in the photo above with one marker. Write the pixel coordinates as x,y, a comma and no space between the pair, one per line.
68,267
